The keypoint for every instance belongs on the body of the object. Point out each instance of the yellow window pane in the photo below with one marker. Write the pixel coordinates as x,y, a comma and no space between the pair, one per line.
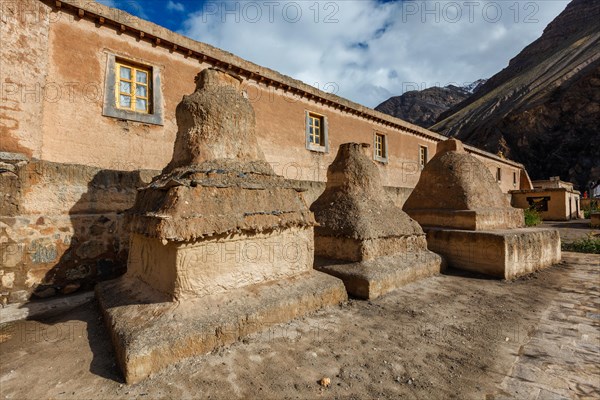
125,87
141,105
141,77
125,73
141,91
125,101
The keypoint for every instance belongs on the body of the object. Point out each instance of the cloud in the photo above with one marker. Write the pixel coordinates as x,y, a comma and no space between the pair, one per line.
174,6
370,50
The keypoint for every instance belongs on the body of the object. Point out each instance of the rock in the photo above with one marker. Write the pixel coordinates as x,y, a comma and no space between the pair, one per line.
45,292
8,280
423,107
325,382
91,249
70,288
18,296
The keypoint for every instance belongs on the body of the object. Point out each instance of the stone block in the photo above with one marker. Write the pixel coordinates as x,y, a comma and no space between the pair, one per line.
218,264
148,335
501,253
374,278
500,218
356,250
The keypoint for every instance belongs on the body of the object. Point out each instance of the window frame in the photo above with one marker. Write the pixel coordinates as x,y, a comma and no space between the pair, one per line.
134,83
383,158
498,174
111,107
323,146
423,160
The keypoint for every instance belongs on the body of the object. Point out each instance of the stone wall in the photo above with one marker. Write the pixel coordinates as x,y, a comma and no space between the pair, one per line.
62,227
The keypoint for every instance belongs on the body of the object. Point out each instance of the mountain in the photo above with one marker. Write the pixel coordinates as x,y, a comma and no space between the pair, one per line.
474,86
543,109
423,107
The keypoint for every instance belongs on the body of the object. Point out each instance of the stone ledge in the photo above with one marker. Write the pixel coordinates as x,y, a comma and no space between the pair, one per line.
43,309
506,253
483,219
371,279
149,335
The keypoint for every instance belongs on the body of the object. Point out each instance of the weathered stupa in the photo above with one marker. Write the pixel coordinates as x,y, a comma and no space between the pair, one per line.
382,246
470,222
221,246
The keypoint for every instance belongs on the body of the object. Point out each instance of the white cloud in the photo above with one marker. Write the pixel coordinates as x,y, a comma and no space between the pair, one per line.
371,50
174,6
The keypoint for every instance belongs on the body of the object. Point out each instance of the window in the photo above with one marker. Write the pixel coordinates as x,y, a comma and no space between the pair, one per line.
316,132
380,147
132,91
499,174
422,156
538,203
133,87
514,179
315,129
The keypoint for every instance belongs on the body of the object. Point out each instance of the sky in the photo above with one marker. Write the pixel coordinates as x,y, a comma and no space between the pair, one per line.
363,50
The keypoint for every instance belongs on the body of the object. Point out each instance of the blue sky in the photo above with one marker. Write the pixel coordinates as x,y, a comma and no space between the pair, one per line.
364,50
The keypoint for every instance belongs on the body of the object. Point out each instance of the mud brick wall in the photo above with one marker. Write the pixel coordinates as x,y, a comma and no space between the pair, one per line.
63,227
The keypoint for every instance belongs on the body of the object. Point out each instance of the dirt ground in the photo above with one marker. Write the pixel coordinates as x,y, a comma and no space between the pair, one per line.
572,230
456,335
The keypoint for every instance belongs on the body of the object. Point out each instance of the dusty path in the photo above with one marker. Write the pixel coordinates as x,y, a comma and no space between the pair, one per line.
452,336
571,231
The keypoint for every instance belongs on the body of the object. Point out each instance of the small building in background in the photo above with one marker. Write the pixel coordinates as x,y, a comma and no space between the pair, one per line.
554,199
595,190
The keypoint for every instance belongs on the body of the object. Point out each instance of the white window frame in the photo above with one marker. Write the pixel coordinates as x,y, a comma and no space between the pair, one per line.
422,163
323,147
383,158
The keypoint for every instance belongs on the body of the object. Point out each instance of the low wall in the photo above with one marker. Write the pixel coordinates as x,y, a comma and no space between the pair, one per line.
62,227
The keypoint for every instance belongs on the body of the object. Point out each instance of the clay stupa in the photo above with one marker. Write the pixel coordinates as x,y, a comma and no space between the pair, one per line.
383,248
470,222
221,246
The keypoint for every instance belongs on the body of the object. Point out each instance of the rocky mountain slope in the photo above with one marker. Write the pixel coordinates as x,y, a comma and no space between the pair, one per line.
423,107
544,108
